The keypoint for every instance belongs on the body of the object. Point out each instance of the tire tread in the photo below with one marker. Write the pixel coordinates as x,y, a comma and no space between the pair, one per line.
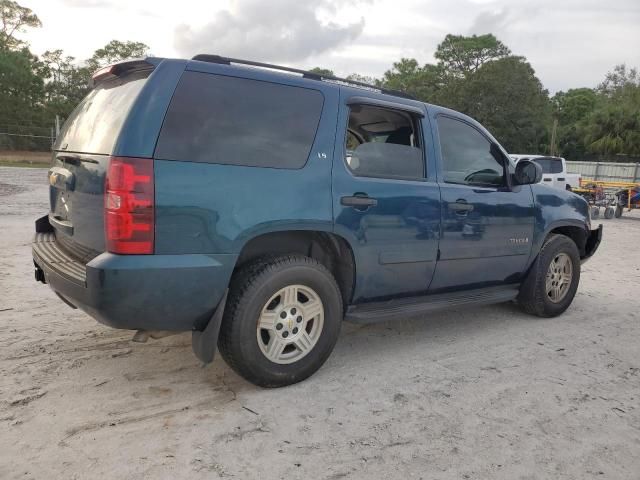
243,283
532,296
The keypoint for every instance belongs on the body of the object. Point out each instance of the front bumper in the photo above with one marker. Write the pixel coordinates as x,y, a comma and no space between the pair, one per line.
146,292
593,242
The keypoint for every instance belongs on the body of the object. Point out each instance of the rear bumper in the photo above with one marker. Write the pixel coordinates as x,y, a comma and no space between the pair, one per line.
148,292
592,244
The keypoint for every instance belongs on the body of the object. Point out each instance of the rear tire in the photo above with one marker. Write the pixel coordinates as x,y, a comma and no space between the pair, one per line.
553,280
282,320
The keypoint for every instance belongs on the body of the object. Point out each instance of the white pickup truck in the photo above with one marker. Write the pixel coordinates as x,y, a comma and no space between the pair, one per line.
554,171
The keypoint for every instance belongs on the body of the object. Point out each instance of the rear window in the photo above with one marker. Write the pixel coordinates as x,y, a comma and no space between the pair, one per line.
237,121
549,165
94,125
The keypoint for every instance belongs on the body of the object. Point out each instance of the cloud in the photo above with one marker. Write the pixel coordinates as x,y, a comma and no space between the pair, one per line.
88,3
490,21
277,30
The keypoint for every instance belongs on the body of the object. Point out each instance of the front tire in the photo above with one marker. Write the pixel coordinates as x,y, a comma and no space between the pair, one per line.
282,320
553,280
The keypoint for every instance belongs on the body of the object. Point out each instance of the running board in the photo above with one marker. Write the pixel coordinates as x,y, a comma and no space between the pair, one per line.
406,307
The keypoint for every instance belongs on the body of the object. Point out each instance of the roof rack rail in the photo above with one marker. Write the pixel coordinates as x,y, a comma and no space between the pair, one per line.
204,57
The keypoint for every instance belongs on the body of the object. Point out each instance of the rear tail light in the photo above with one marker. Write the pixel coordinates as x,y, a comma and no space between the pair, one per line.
129,206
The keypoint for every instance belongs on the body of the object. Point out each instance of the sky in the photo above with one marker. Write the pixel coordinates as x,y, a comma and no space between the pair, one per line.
569,43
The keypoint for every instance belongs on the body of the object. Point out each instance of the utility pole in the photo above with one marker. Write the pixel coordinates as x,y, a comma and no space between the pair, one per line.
57,126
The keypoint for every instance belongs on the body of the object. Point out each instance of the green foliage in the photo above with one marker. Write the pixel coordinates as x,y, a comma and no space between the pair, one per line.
614,125
13,19
21,95
356,77
571,108
603,121
509,100
619,79
115,51
573,105
476,76
33,91
66,82
408,76
324,72
461,56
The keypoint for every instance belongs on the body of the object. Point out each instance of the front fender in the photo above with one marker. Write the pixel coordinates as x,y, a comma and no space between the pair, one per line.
556,210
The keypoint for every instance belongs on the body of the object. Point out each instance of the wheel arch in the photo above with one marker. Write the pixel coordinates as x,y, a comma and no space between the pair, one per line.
331,250
576,233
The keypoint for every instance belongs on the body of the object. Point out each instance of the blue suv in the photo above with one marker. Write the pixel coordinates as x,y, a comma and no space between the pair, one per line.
258,206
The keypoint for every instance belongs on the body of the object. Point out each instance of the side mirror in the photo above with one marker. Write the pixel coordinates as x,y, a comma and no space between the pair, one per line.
527,172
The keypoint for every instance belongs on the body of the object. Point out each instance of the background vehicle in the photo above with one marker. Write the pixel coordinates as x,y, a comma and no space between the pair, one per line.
554,171
627,198
207,196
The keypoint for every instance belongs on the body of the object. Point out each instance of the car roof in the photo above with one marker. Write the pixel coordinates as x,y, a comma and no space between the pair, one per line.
306,74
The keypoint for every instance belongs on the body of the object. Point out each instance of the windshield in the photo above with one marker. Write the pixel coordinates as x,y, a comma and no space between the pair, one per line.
94,125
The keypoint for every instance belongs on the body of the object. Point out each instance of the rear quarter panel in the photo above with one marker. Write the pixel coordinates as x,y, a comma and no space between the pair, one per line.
213,208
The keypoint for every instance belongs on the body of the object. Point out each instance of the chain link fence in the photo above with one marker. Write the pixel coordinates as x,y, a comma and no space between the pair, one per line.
27,138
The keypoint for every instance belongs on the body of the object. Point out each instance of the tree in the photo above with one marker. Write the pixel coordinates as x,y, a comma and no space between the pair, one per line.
115,51
571,108
509,100
616,80
408,76
573,105
323,72
460,56
21,85
21,97
356,77
66,82
13,19
614,125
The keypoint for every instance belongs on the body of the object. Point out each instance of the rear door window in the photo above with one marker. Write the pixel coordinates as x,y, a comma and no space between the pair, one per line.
238,121
94,125
383,143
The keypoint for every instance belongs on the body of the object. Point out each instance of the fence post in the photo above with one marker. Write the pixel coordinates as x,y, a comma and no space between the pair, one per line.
595,176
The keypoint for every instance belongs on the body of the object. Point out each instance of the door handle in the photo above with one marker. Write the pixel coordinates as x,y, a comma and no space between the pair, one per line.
359,202
461,207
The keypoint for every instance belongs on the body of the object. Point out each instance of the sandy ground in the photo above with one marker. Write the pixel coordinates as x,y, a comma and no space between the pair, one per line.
485,393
